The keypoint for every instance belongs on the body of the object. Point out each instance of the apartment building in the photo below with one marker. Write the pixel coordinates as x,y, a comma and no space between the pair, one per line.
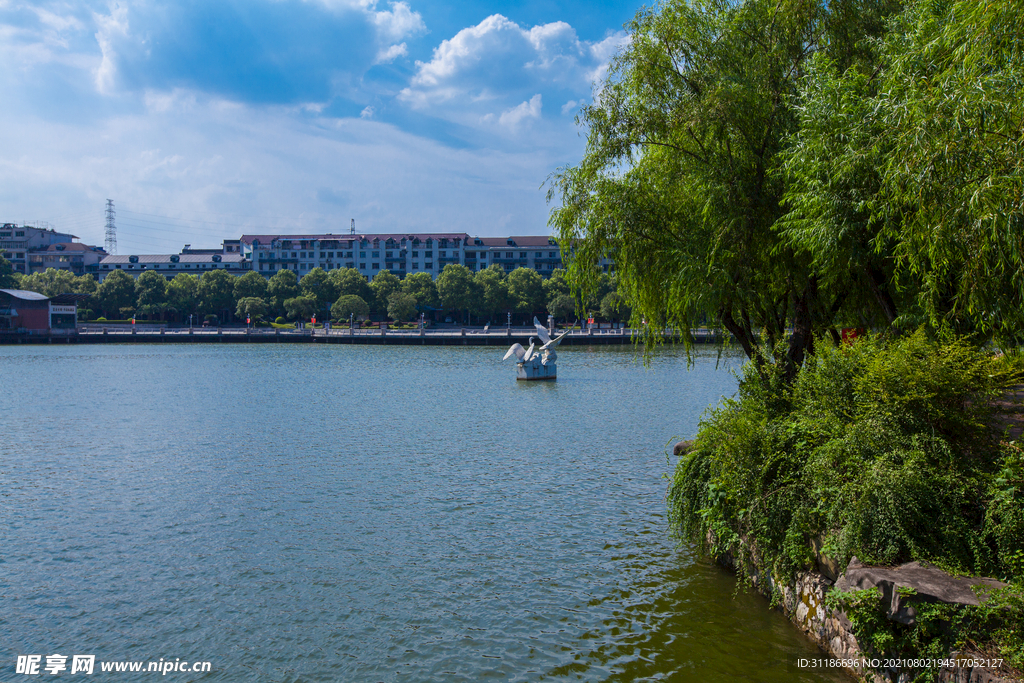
18,242
399,253
170,265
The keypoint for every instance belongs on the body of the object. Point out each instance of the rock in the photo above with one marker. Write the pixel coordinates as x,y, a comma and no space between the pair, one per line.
682,447
930,584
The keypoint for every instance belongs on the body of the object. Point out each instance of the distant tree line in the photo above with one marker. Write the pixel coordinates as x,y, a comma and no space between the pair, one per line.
488,295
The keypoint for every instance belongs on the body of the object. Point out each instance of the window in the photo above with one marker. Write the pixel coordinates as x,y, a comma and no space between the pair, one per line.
415,266
388,254
362,254
539,254
429,266
442,254
470,254
362,266
302,254
415,254
330,254
551,254
106,267
293,254
20,233
376,254
509,254
522,254
428,254
376,266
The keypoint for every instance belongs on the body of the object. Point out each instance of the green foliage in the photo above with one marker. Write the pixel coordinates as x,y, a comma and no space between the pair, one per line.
682,181
879,451
54,281
151,290
455,288
996,626
562,306
317,284
251,306
301,307
526,289
614,307
7,279
348,305
252,284
283,285
906,172
216,292
116,292
401,306
493,300
350,281
385,283
421,286
183,294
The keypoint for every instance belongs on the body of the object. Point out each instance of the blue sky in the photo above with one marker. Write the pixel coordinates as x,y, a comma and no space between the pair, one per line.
204,119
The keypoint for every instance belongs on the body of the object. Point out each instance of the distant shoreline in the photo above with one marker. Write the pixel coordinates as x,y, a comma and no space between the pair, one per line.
467,336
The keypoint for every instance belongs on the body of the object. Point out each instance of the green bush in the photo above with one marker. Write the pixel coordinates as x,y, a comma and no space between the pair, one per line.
280,320
883,451
879,451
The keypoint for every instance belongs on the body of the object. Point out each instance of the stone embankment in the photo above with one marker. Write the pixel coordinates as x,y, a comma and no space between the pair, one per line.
803,601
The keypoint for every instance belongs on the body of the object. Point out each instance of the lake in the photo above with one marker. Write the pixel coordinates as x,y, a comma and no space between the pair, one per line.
365,513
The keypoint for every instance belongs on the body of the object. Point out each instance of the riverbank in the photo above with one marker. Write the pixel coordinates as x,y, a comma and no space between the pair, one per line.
466,336
881,454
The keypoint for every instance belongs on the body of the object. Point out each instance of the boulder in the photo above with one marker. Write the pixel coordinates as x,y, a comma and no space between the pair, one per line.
930,584
682,447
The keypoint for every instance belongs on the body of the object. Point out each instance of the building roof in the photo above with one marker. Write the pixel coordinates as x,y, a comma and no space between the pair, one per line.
267,239
25,295
166,258
517,241
68,247
68,298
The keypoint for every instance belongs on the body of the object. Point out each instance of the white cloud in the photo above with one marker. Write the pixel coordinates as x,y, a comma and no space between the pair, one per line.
512,117
392,53
484,72
397,23
110,26
217,158
366,113
570,106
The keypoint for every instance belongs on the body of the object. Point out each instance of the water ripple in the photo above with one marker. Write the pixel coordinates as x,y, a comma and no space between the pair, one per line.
365,514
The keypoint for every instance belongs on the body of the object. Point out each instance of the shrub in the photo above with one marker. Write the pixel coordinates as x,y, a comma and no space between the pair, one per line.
877,450
279,320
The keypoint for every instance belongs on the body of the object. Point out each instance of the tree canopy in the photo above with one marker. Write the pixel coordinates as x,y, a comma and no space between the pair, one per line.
779,169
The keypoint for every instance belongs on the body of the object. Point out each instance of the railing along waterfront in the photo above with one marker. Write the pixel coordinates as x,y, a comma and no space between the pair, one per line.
100,333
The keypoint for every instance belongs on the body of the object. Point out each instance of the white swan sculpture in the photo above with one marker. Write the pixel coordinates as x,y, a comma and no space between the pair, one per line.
536,364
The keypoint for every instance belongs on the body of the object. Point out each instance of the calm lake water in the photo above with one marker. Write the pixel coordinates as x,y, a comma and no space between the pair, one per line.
358,513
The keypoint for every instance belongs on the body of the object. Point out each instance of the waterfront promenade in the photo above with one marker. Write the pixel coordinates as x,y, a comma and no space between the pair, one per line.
464,336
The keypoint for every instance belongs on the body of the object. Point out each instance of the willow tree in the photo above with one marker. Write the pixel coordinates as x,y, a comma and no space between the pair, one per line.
682,183
913,168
